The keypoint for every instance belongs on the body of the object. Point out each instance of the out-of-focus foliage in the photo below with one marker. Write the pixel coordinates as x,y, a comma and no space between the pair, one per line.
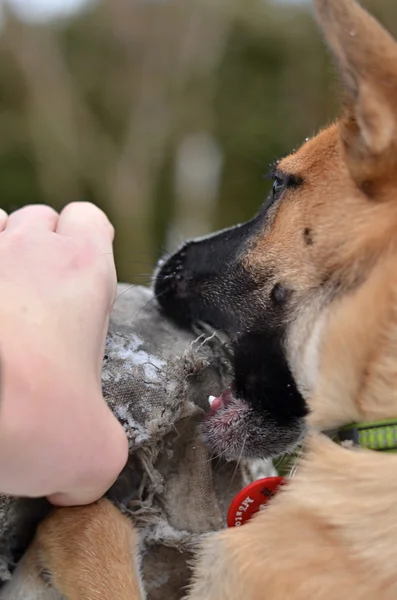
166,114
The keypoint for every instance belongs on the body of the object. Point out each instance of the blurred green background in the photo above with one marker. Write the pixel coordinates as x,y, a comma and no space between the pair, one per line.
165,113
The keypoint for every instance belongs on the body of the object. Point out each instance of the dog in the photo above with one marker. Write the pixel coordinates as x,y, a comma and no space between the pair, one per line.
307,292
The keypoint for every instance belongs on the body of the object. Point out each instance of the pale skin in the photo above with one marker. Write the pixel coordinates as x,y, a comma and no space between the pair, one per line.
58,282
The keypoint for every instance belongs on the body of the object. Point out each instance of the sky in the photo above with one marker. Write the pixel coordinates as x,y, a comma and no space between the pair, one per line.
38,10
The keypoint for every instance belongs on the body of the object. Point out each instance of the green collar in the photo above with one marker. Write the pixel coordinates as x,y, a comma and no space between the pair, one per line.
378,435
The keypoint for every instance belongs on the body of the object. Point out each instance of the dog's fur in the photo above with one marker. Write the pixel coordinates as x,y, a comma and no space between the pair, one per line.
307,291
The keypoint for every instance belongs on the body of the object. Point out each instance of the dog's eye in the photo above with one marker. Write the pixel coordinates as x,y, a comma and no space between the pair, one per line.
278,185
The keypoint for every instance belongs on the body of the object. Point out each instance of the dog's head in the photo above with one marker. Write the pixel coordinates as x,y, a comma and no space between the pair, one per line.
305,288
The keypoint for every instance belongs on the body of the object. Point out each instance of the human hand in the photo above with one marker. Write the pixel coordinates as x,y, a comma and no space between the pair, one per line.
58,281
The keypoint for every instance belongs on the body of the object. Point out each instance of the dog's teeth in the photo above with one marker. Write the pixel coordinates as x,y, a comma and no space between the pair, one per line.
211,399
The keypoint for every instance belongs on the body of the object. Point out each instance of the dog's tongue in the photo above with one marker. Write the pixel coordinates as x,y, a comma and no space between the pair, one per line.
217,402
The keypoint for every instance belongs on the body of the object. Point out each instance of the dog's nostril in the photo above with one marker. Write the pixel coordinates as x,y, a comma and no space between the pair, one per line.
172,282
182,286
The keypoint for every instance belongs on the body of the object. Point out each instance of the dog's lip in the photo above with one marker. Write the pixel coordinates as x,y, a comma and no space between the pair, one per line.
219,402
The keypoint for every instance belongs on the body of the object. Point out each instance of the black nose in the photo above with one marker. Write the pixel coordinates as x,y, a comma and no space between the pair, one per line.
202,278
173,288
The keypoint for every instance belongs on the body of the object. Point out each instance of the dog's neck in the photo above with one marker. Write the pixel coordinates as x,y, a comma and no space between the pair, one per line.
353,494
357,372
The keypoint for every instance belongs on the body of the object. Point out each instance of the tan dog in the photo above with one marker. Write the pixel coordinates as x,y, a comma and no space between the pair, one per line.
318,270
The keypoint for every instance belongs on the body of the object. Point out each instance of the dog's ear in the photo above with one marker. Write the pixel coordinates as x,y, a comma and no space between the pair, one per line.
366,55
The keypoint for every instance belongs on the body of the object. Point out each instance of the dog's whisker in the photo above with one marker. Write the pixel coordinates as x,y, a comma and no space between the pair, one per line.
238,460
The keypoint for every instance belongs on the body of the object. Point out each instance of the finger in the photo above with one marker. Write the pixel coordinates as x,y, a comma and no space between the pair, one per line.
3,219
85,220
34,216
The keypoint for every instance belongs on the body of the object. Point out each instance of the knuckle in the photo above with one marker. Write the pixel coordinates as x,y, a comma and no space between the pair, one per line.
86,209
41,210
94,219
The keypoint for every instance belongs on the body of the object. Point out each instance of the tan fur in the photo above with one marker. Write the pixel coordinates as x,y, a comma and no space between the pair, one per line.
85,553
332,532
330,535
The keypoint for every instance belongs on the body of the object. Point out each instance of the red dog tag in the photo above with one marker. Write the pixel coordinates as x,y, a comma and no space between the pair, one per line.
252,499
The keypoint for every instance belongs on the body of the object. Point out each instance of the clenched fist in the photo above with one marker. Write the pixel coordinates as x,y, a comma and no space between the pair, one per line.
58,281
